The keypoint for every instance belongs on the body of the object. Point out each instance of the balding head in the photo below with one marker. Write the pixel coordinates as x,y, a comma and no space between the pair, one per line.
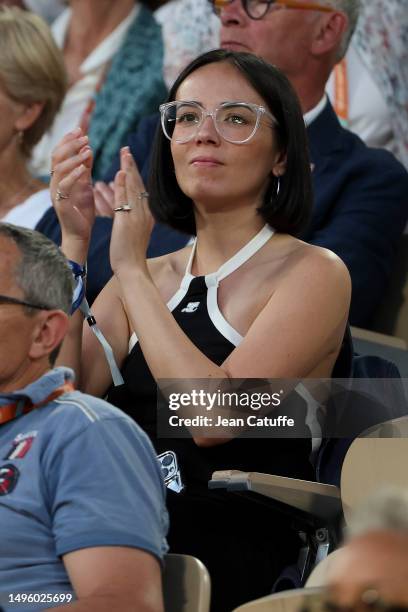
375,557
374,562
304,44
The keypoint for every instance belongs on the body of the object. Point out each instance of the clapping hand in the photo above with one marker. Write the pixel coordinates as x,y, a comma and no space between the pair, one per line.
71,188
133,222
104,195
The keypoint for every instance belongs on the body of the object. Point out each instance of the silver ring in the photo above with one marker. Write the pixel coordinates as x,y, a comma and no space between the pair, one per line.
61,196
125,207
142,194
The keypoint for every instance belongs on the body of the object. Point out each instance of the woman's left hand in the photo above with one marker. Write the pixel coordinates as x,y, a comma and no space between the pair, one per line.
131,228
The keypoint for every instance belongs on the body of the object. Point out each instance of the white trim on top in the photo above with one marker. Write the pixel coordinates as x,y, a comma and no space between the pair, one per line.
212,281
217,317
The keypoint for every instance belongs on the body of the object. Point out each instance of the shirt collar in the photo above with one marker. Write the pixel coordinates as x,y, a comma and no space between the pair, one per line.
106,49
40,388
313,114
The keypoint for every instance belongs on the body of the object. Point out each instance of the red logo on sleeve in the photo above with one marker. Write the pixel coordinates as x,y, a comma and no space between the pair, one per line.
9,476
21,445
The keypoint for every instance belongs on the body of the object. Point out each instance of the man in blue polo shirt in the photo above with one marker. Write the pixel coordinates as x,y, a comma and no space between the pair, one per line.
82,510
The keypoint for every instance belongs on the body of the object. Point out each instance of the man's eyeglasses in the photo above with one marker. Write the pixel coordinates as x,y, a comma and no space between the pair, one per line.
257,9
235,122
5,299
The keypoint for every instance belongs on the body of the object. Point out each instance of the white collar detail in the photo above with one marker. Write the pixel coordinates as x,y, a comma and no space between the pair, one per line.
313,114
237,260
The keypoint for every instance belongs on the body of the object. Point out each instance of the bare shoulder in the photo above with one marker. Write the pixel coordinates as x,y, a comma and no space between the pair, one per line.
311,276
316,266
172,265
325,262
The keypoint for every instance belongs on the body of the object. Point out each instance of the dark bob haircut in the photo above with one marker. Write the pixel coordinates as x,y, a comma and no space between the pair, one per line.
289,212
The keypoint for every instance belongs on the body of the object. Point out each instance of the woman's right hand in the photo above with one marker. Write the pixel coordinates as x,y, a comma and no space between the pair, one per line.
71,189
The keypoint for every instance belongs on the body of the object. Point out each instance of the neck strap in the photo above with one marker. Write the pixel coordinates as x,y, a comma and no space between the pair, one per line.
237,260
11,411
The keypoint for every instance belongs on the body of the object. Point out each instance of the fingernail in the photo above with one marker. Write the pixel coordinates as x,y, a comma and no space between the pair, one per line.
83,139
77,131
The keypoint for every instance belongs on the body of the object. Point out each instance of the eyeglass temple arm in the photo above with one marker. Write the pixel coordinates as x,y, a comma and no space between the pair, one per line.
311,6
10,300
306,6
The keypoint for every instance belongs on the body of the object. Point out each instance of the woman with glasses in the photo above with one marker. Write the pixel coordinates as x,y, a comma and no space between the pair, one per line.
246,300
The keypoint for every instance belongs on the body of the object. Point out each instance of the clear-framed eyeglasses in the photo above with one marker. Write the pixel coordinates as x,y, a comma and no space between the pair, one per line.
257,9
235,122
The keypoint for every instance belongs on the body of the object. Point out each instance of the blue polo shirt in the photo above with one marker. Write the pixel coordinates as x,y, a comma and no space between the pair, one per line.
75,473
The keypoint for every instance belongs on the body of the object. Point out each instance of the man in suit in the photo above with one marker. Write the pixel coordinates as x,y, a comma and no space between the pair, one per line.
361,194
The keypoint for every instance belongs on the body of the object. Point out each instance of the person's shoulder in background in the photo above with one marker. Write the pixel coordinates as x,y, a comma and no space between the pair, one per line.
360,209
47,9
140,143
189,28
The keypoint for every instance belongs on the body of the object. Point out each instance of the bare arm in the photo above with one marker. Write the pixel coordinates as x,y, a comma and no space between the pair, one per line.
73,202
81,350
72,164
114,579
284,341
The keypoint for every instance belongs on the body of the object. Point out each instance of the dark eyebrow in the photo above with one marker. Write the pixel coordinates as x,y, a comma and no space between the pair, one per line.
237,102
189,101
219,103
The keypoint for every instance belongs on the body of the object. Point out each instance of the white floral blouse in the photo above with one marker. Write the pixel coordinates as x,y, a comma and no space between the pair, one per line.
381,39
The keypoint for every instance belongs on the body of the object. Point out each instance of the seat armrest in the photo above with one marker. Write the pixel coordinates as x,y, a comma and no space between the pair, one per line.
318,500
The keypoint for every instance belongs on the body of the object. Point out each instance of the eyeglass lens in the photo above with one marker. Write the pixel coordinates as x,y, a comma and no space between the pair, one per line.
234,122
256,9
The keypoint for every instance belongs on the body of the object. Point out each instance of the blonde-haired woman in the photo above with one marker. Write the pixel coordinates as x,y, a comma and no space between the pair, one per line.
32,87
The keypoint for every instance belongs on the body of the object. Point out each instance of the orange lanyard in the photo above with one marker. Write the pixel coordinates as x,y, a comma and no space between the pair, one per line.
341,91
8,412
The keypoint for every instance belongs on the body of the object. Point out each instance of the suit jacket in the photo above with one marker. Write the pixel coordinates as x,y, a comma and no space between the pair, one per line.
360,205
360,209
